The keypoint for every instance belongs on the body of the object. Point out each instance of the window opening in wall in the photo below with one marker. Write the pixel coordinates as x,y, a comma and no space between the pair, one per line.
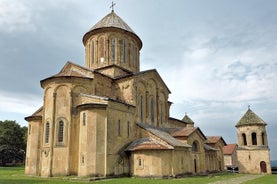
124,51
83,159
119,128
140,163
263,139
113,49
128,129
101,49
84,119
92,52
194,147
152,104
122,46
141,108
161,113
47,127
133,55
60,131
244,139
254,138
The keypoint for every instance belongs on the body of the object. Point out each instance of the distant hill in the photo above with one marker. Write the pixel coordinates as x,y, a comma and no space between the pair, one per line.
273,163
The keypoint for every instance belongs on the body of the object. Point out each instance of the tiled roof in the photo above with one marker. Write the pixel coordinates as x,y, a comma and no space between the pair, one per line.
112,20
163,135
250,118
229,149
187,119
147,143
183,132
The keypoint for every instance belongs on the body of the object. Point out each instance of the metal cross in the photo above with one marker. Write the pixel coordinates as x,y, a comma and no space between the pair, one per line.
112,6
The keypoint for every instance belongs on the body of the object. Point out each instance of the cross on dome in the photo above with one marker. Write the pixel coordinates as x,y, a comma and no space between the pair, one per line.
112,6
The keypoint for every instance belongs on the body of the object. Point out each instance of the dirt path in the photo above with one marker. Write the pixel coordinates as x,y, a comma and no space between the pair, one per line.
238,180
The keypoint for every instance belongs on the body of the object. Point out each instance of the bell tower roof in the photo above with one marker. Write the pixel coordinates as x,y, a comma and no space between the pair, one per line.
250,118
112,20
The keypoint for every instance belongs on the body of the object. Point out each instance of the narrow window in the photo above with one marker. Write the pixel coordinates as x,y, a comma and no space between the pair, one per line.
161,113
47,126
84,119
152,108
82,159
92,52
194,147
133,55
244,139
101,49
124,51
113,49
141,108
140,163
122,45
254,138
119,128
128,129
60,132
263,139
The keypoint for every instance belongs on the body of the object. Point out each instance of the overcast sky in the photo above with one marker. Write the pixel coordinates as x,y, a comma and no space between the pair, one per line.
216,56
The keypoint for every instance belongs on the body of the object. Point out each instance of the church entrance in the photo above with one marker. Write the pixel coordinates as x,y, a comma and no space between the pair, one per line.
263,167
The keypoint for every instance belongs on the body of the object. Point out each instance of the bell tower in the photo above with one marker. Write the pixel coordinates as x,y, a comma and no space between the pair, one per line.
253,151
112,47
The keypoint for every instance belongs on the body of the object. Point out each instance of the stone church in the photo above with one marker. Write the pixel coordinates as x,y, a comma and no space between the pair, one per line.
111,119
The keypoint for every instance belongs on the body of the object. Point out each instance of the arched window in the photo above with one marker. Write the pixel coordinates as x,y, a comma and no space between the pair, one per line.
263,138
60,131
47,127
244,139
84,119
92,52
141,108
119,128
113,50
254,138
152,109
101,48
133,55
128,129
161,113
122,45
194,147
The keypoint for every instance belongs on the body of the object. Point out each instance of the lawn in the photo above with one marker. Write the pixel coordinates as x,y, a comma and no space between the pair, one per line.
15,175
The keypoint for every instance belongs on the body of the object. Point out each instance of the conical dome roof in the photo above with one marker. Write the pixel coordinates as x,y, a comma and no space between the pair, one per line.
112,20
250,118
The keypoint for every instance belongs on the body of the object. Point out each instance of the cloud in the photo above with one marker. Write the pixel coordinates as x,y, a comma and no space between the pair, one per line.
14,16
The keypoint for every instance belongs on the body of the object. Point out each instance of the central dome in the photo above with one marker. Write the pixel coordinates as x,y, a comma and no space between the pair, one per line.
112,20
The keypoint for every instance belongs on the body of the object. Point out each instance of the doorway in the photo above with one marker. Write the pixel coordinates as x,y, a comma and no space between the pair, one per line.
263,167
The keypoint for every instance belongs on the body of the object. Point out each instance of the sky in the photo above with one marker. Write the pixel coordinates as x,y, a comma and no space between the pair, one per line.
216,56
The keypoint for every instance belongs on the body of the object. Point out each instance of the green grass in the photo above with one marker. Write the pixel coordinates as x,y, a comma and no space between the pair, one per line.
15,175
264,180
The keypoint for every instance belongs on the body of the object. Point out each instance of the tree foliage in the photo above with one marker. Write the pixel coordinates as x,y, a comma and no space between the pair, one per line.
12,142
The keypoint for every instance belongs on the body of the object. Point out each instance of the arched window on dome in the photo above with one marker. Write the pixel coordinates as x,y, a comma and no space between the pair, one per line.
254,138
122,46
113,44
92,52
101,49
152,109
244,139
141,108
133,55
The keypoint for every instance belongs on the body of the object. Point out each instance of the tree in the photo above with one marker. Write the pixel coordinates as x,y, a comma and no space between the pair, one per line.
12,142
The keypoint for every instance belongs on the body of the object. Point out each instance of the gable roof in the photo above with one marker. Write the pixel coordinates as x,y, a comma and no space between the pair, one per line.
229,149
163,135
147,143
186,132
209,148
250,118
214,140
